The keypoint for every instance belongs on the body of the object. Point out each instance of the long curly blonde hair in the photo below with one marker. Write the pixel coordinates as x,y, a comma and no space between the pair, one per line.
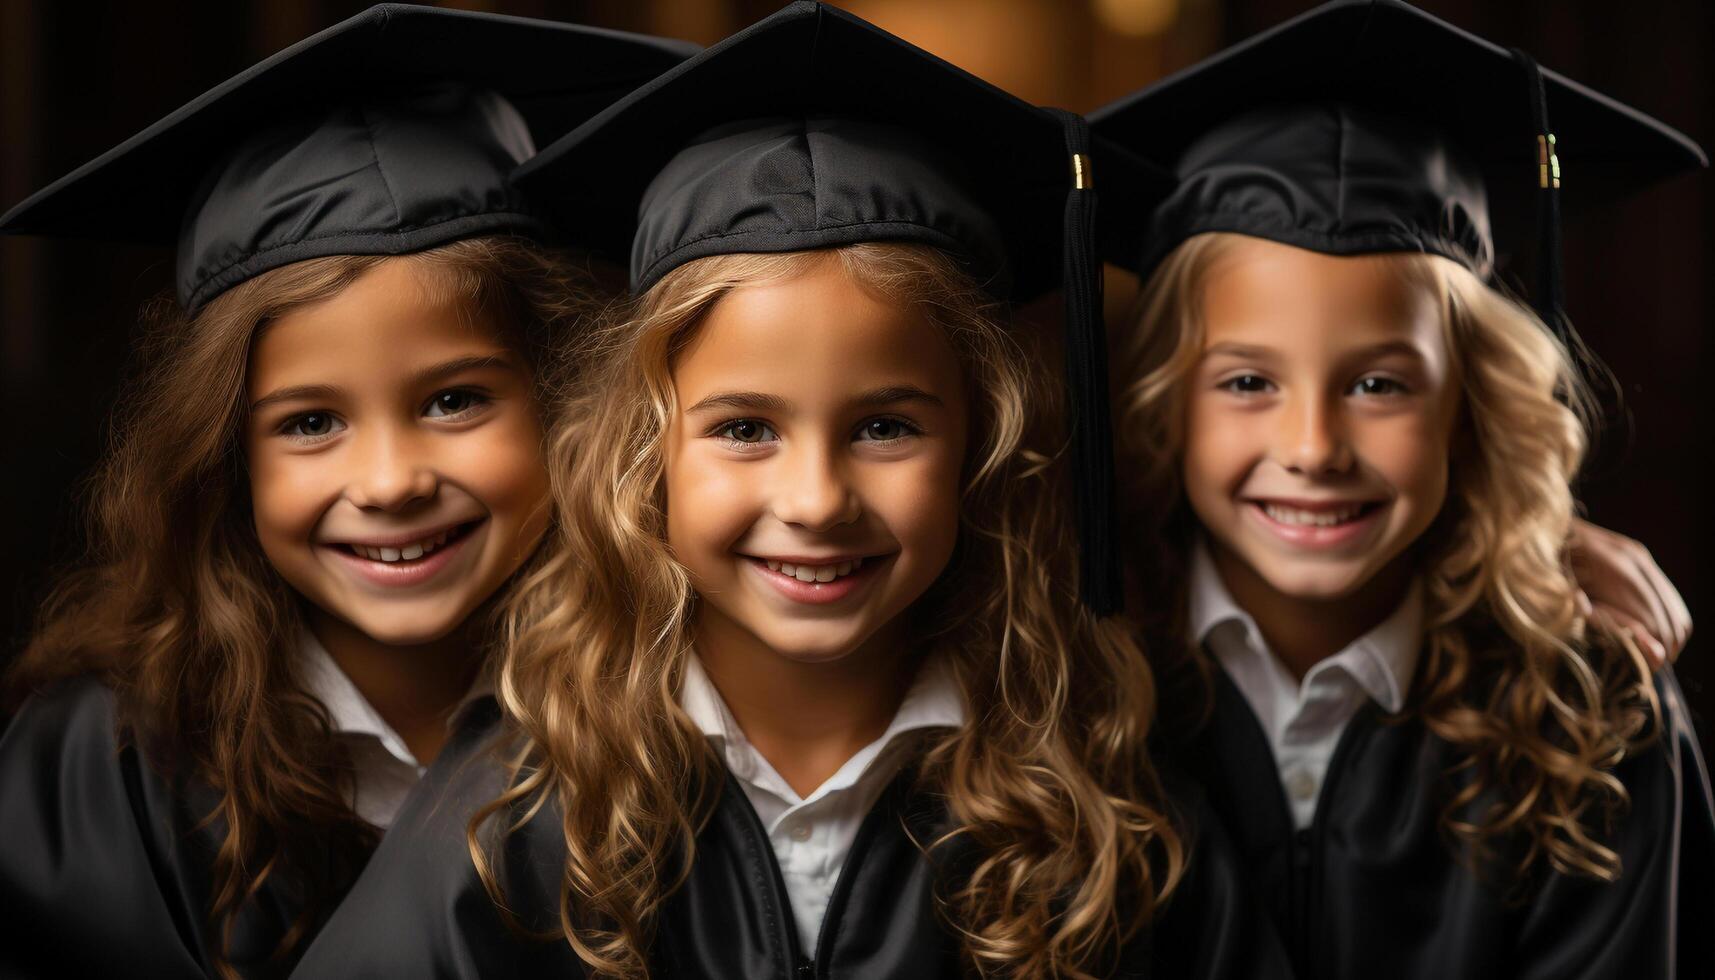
1049,783
1538,708
176,607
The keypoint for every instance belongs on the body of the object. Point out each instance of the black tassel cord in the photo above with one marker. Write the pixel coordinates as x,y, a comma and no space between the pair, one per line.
1087,383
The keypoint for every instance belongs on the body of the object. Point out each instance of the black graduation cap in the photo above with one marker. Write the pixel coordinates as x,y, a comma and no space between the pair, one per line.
813,128
391,132
1370,126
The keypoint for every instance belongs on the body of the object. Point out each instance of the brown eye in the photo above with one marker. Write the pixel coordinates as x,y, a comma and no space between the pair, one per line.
456,401
1377,386
311,425
885,430
745,430
1247,384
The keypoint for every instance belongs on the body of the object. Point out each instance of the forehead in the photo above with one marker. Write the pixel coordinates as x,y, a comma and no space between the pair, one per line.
395,316
819,331
1266,293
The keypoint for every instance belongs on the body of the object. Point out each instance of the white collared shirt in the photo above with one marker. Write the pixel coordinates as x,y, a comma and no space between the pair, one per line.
386,771
812,834
1304,721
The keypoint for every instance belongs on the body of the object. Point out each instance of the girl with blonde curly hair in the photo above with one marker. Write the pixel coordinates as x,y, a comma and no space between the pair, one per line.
804,688
1349,462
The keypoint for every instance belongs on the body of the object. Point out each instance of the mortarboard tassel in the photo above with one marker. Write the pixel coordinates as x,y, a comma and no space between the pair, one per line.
1087,383
1550,295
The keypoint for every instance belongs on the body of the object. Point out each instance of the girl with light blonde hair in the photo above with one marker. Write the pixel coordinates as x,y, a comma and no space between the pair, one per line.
1349,460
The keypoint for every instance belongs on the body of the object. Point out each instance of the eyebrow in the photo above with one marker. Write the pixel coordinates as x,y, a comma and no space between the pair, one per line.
295,393
759,402
458,365
1252,352
1386,348
742,401
1249,352
426,375
894,394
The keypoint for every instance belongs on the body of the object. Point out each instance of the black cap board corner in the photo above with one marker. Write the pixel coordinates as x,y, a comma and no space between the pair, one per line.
813,128
390,132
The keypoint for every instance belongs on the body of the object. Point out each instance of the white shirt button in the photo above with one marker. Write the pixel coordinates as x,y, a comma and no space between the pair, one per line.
1301,785
799,832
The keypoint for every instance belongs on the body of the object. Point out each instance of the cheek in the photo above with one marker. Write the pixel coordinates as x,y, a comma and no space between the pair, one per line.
288,494
503,467
918,502
1410,453
710,502
1221,447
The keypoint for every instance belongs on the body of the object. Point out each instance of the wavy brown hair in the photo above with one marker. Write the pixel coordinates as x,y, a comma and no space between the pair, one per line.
1538,708
1049,785
176,608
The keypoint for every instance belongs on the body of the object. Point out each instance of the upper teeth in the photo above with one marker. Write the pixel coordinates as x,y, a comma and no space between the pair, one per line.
409,552
1317,518
816,573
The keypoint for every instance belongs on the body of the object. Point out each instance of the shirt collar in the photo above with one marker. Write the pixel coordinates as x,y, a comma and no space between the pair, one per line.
1212,605
1392,649
933,700
1382,660
351,713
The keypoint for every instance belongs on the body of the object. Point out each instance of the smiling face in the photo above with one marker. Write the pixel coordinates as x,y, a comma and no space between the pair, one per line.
395,455
813,464
1319,419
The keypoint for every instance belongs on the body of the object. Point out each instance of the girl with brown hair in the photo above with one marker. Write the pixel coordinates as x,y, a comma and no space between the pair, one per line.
1351,461
328,467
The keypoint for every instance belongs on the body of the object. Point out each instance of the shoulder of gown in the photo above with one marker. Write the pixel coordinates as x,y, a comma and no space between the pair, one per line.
86,885
420,909
108,859
1656,919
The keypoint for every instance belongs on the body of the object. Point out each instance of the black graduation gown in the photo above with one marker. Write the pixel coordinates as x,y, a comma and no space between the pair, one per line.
103,868
420,910
1372,888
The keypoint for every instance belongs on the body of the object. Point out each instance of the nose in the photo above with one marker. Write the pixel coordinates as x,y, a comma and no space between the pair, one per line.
815,492
389,473
1311,437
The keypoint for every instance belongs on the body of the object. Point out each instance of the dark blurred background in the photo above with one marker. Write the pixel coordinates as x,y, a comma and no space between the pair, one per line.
75,79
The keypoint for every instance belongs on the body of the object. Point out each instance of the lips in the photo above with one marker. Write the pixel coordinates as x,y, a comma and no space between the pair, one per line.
408,552
1316,524
825,572
1321,515
404,561
817,581
394,548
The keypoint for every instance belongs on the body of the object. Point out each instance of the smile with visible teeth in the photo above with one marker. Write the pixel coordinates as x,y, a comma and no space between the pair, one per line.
408,552
815,573
1313,518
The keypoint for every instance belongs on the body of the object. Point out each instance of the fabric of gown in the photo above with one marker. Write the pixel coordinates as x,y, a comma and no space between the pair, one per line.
420,910
104,869
1373,888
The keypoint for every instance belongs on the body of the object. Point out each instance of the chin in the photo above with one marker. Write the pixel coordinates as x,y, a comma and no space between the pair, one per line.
1313,580
818,648
404,630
